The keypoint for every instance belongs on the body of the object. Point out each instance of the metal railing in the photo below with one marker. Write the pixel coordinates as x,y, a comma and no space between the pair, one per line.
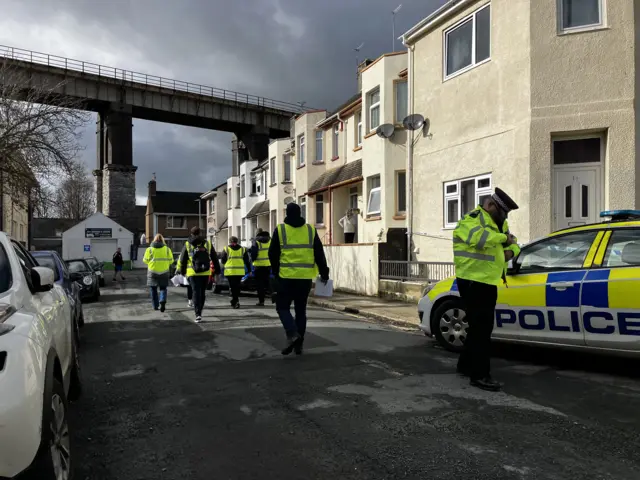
416,271
145,79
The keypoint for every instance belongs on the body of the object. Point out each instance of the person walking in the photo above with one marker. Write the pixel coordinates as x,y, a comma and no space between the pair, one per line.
189,289
195,263
236,264
482,246
118,263
158,257
260,259
297,256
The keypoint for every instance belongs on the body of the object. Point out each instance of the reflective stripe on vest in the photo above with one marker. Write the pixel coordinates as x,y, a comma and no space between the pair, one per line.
234,266
297,260
190,271
262,260
159,259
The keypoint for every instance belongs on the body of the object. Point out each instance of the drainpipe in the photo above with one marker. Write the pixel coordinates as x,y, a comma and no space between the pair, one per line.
330,217
409,154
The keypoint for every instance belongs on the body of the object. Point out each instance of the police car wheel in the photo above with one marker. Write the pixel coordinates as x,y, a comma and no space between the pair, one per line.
449,326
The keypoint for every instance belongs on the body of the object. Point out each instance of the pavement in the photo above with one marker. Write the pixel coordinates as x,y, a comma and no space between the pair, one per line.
166,399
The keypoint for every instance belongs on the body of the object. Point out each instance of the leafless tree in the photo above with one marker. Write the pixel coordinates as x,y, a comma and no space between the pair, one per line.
39,130
75,196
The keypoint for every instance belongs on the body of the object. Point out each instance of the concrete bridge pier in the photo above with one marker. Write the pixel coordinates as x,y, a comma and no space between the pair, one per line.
256,142
115,172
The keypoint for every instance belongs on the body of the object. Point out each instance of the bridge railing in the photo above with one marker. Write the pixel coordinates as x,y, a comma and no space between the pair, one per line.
144,79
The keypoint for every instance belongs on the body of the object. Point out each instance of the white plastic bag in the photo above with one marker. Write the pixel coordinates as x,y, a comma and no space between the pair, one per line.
178,280
323,290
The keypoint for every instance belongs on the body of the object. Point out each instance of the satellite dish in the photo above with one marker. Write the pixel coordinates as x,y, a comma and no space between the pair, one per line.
288,200
413,122
385,130
288,189
212,230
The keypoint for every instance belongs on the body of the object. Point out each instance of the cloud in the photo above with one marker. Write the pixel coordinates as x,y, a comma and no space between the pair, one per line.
289,50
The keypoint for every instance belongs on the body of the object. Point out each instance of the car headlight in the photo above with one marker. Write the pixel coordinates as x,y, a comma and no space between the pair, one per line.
87,280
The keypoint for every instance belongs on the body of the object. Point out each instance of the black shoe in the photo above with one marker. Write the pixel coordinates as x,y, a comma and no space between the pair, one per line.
155,308
298,346
463,372
486,383
236,305
289,348
162,306
260,304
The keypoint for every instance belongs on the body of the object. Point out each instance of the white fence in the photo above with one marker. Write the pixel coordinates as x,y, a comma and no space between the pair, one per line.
354,268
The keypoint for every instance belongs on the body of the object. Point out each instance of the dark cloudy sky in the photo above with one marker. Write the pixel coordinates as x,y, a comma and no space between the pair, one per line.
291,50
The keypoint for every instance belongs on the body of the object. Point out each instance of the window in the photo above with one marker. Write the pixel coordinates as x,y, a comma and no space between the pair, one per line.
229,200
556,253
359,129
320,209
336,135
287,168
318,145
353,197
302,201
578,150
49,262
176,222
623,249
14,229
374,109
212,205
401,192
242,185
468,43
244,229
273,220
238,190
576,14
375,196
301,151
254,184
6,280
238,232
402,101
272,170
462,196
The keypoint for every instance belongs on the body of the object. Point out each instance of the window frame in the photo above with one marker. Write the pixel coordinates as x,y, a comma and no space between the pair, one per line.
272,171
255,189
562,30
371,106
457,196
170,225
285,170
359,136
243,186
319,147
335,136
302,202
445,44
300,151
319,206
372,190
399,212
404,81
5,270
354,192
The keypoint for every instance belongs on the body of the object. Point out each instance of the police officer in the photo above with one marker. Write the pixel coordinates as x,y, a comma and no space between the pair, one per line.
260,259
296,256
195,262
236,263
158,258
482,246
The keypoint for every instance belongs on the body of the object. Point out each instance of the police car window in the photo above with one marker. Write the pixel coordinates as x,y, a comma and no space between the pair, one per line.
623,249
557,253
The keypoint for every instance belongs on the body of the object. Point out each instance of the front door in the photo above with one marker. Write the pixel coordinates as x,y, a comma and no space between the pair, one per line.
577,196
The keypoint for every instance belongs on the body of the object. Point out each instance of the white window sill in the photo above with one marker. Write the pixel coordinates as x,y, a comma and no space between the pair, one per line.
465,70
586,29
175,228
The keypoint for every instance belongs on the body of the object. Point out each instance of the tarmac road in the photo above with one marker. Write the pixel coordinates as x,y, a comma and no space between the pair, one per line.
166,398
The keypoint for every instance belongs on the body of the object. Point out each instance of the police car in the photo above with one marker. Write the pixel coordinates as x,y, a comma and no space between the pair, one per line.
576,288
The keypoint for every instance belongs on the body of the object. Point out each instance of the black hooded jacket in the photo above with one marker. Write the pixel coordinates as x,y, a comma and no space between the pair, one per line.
262,237
195,241
294,219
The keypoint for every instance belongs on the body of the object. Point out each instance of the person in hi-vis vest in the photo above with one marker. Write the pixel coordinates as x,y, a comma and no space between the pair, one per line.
236,263
158,258
261,263
195,262
297,257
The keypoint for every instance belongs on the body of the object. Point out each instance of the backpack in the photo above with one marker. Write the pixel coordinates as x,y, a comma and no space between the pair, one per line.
200,260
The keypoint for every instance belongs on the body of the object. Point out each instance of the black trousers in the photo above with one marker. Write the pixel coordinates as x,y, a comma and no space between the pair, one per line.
296,291
262,282
349,237
198,285
479,301
234,287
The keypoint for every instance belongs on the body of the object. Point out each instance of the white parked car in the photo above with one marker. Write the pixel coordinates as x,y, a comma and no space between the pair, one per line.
39,369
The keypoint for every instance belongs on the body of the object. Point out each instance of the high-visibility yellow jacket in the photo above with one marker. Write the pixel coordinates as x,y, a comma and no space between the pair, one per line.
478,250
297,260
234,266
262,260
190,271
158,259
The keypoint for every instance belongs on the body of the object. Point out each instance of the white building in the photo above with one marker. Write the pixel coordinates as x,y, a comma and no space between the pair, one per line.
97,236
